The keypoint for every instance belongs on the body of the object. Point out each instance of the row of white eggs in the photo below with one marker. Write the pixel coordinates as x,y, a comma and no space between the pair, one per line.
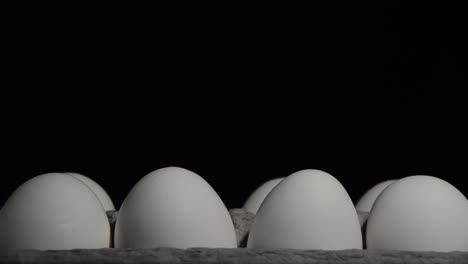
174,207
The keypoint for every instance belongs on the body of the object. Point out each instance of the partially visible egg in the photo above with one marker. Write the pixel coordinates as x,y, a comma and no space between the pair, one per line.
367,200
53,211
256,198
174,207
419,213
309,209
362,217
97,189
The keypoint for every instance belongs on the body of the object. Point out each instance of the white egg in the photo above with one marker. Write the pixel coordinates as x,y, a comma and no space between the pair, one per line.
53,211
97,189
256,198
173,207
309,209
362,217
367,200
419,213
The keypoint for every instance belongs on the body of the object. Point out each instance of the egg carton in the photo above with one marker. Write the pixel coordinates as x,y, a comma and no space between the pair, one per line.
242,221
229,255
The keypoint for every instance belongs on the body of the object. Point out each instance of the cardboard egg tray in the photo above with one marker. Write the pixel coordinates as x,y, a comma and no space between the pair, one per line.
242,220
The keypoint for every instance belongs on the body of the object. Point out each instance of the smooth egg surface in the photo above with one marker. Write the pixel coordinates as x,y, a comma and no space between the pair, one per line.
97,189
309,209
256,198
419,213
367,200
174,207
53,211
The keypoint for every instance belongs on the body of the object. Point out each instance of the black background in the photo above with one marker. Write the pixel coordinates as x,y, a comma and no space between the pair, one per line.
238,94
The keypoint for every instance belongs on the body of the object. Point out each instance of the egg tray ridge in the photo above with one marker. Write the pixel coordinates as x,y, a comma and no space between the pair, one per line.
228,255
242,221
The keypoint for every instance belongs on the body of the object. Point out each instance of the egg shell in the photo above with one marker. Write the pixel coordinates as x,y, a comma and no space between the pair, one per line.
362,217
256,198
367,200
309,209
53,211
419,213
173,207
97,189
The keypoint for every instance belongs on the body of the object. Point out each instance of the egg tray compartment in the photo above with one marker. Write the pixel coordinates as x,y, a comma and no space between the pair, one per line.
242,221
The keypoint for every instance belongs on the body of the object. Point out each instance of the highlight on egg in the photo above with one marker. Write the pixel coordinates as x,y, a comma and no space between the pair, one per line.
256,198
97,189
53,211
309,209
173,207
419,213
